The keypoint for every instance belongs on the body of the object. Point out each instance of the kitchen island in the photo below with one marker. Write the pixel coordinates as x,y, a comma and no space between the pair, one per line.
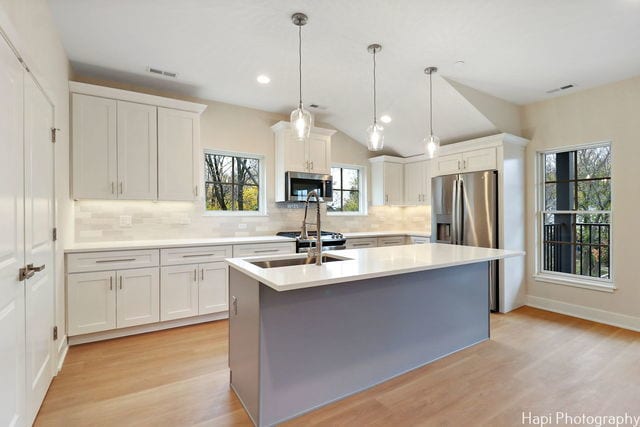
301,336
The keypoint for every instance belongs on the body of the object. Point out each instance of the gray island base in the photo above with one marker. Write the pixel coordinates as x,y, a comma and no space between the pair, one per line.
293,351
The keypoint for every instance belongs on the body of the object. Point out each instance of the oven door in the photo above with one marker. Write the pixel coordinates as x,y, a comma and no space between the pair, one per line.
299,184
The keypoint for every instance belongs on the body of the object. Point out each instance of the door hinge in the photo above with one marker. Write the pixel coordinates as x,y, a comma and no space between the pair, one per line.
53,134
55,333
55,234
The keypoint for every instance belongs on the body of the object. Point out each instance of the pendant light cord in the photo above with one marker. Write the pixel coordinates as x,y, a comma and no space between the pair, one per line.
375,113
300,66
430,105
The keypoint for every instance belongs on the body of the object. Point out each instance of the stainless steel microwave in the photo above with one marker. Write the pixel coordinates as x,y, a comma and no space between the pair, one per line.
299,184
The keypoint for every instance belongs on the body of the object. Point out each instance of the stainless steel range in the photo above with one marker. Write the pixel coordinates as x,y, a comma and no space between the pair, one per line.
330,240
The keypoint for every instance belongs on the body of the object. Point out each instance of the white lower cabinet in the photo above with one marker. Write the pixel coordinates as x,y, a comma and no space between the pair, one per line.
212,289
192,290
178,292
391,241
91,302
137,297
103,300
361,243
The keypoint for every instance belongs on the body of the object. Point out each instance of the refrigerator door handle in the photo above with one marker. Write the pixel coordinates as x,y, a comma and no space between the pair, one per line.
454,214
459,219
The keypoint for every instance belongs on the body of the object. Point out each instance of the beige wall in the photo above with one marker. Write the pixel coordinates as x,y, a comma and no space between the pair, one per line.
232,128
30,28
606,113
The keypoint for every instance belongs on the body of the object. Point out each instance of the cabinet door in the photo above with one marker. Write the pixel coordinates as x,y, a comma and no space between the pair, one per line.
178,292
137,151
95,170
414,183
178,142
319,154
213,288
295,154
138,297
91,302
394,183
446,165
479,160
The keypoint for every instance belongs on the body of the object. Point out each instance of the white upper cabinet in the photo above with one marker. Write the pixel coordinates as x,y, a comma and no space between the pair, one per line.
137,151
417,183
467,161
178,144
133,146
312,155
95,170
387,181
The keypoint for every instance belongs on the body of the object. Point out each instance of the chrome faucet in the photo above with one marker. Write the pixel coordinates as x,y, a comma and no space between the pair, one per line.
303,233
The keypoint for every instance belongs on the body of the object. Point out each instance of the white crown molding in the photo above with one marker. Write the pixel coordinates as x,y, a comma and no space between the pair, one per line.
140,98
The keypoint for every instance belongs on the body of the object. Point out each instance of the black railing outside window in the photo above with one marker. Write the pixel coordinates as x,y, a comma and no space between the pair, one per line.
576,236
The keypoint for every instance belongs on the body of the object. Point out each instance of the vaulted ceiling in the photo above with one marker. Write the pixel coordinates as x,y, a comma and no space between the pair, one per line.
513,50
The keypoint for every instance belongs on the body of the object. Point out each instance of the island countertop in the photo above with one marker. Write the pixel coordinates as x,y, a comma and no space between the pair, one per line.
368,263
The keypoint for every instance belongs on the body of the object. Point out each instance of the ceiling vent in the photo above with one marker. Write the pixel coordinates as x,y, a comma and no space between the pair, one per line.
558,89
160,72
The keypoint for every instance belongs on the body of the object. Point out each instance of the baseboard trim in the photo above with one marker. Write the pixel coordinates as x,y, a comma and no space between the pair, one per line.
587,313
63,348
152,327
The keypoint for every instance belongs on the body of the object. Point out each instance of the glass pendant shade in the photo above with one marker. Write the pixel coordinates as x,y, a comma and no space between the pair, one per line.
375,137
432,146
301,123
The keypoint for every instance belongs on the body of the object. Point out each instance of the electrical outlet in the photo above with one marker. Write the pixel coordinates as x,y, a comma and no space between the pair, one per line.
125,221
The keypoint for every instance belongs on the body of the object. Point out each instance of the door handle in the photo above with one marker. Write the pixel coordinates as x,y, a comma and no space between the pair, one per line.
32,268
234,304
25,273
454,214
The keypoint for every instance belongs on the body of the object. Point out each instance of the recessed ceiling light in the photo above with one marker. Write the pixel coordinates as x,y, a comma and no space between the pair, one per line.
263,79
385,119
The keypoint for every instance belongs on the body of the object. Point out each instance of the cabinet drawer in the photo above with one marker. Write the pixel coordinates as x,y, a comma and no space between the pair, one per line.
391,241
362,243
419,240
194,255
113,260
240,251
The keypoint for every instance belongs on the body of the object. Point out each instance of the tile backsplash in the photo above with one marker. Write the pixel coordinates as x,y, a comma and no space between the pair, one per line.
144,220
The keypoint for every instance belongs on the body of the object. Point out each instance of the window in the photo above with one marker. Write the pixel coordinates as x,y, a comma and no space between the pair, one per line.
233,183
348,191
576,214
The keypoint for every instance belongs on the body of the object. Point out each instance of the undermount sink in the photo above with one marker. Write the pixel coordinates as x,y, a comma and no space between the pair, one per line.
287,262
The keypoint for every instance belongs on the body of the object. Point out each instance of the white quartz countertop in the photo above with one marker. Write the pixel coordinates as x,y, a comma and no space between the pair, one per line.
366,264
357,234
171,243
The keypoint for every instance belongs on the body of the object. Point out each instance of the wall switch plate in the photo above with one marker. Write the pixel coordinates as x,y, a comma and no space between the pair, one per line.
125,221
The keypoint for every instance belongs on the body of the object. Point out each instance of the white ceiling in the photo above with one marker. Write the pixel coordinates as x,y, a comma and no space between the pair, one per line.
515,50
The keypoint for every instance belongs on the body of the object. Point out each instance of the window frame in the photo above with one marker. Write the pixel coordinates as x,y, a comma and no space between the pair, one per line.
262,193
362,190
560,278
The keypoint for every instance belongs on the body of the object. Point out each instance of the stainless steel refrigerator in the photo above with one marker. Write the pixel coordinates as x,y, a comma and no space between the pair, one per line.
464,211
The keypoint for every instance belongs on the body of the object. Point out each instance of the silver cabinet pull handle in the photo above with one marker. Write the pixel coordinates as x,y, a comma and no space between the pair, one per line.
113,187
202,274
99,261
196,255
264,251
360,244
234,304
311,164
195,274
120,187
111,283
195,190
120,282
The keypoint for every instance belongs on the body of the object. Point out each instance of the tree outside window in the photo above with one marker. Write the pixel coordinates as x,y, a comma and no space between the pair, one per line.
576,215
232,183
346,190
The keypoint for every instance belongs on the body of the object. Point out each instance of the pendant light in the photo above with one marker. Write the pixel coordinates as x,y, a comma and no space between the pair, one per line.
301,120
431,142
375,132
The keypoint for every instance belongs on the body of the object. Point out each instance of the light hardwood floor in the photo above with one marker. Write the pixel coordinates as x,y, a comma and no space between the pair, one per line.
535,361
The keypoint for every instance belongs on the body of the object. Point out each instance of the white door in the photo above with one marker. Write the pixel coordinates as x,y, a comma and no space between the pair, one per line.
447,165
178,292
319,154
39,246
138,297
213,288
137,151
91,302
295,154
394,183
12,315
177,135
413,183
95,169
